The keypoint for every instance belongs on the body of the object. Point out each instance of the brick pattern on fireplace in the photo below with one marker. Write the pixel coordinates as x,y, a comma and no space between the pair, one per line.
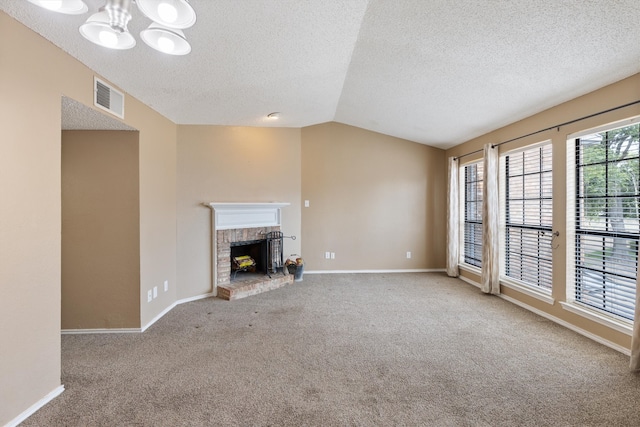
250,287
224,238
229,291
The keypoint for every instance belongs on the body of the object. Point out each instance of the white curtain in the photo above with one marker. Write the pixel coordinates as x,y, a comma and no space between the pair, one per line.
453,216
635,338
490,211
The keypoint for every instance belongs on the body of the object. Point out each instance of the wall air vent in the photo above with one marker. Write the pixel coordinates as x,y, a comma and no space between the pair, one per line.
108,98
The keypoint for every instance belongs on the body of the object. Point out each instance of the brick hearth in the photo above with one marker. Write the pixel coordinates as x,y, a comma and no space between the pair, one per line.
245,285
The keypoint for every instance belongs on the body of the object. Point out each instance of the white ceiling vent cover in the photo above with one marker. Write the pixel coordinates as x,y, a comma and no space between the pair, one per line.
108,98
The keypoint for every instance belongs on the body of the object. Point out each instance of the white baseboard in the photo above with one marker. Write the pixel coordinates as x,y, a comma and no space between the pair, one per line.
469,281
101,331
417,270
134,330
159,316
568,325
557,320
33,408
168,309
196,298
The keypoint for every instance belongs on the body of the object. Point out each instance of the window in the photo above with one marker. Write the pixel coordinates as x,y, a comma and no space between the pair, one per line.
607,220
528,216
473,214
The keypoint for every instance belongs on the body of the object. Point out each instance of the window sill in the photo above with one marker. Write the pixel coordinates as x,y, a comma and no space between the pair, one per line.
470,269
620,325
527,290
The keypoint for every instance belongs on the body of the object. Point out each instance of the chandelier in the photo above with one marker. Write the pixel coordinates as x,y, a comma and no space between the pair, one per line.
108,27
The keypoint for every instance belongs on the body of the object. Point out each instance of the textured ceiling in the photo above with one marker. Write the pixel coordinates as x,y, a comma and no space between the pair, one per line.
77,116
438,72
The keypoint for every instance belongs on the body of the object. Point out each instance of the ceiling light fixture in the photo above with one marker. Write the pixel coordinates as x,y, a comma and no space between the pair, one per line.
68,7
167,40
108,27
100,30
176,14
273,116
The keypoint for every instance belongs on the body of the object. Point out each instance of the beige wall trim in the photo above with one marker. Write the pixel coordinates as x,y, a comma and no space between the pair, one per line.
470,268
527,290
100,331
33,408
568,325
416,270
469,281
560,322
626,327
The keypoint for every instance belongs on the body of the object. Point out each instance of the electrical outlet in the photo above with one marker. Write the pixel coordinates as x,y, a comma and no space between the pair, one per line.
166,285
149,295
333,255
327,255
155,292
408,254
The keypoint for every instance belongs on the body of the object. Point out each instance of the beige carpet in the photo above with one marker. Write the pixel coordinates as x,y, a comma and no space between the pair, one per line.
346,350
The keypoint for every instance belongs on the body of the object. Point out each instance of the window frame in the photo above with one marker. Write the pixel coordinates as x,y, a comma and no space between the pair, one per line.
572,304
464,210
538,289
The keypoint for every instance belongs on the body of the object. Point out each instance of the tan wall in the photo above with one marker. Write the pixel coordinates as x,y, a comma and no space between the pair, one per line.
33,77
231,164
620,93
158,219
100,230
360,184
372,198
29,225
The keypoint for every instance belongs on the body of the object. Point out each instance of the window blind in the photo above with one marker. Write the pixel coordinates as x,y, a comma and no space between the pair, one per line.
607,220
473,214
528,211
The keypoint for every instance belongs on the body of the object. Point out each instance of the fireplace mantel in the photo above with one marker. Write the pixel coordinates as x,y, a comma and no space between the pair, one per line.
246,215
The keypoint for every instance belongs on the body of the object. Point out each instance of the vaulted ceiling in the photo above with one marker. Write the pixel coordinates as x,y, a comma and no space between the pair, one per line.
437,72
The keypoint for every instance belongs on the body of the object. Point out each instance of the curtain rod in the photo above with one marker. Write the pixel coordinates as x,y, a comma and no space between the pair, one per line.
553,127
